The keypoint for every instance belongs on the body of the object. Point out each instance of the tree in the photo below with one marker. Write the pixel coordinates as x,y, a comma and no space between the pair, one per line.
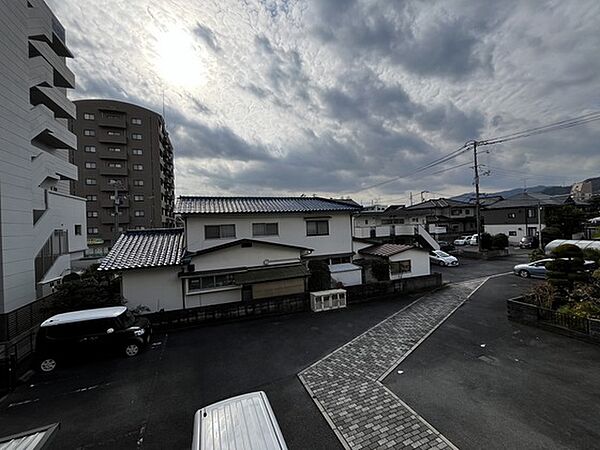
500,241
567,218
320,277
549,234
486,241
565,269
92,289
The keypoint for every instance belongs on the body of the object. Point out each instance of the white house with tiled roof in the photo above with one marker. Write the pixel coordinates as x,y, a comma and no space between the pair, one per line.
231,249
405,261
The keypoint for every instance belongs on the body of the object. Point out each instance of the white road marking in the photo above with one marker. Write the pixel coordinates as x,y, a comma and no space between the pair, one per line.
24,402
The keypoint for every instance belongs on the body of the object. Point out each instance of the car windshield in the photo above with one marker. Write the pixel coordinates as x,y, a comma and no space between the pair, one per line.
442,254
127,319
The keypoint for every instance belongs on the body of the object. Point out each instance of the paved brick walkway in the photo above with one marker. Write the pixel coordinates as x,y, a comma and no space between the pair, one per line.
346,384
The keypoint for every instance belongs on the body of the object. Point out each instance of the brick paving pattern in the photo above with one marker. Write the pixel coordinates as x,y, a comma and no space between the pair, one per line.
346,384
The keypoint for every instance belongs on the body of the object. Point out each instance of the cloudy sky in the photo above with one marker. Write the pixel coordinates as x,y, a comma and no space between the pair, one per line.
333,96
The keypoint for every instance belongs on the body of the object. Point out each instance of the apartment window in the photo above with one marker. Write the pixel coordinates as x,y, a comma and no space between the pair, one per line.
531,213
139,213
113,116
136,121
138,198
115,165
219,231
90,181
92,213
209,282
92,230
456,212
113,133
265,229
90,165
512,215
317,227
89,149
136,136
138,182
112,229
468,212
512,233
400,267
114,149
88,132
113,213
137,151
77,230
91,198
138,167
89,116
139,227
340,260
414,219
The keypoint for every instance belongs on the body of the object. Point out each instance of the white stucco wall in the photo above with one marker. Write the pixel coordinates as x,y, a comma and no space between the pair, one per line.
292,230
520,229
420,264
156,288
238,256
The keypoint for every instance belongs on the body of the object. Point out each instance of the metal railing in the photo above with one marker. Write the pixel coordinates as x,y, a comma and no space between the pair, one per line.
568,321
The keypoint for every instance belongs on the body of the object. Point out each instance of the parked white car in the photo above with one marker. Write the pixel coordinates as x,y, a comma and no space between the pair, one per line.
442,258
474,240
463,240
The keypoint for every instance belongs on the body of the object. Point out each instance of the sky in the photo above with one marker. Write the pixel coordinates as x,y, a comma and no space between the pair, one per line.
330,97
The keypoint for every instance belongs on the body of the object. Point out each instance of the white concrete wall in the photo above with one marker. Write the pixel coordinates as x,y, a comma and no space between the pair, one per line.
238,256
292,230
156,288
420,264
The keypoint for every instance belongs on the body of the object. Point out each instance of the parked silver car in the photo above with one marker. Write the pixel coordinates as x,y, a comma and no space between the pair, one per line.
442,258
463,240
537,269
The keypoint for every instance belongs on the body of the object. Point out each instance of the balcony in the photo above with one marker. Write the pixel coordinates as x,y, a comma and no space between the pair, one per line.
42,24
121,171
104,153
109,219
106,186
45,165
40,72
46,130
54,99
104,137
114,121
62,76
108,203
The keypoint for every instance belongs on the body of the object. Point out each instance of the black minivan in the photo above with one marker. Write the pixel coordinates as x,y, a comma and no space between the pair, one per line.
77,334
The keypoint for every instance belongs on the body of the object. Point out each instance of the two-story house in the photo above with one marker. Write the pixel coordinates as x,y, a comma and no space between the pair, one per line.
232,249
517,216
441,217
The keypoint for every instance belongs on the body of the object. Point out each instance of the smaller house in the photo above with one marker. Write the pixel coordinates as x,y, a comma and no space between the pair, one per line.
405,261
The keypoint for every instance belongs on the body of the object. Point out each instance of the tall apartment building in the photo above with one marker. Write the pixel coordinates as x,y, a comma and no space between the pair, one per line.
42,226
123,149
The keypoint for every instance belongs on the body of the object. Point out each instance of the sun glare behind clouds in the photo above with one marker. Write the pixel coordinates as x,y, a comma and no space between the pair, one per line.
179,62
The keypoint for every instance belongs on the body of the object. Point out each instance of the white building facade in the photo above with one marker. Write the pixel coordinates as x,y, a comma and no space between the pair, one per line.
42,226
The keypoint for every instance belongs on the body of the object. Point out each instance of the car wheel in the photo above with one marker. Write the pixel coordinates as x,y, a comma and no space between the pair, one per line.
47,365
132,349
442,263
524,274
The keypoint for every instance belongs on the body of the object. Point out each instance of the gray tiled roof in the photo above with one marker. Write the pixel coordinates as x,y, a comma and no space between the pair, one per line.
250,205
526,199
145,248
385,250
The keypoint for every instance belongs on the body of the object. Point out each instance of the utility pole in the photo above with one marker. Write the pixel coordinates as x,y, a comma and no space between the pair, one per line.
411,201
539,214
116,201
477,206
423,196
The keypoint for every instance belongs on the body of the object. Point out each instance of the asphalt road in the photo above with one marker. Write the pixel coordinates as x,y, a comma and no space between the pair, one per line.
470,268
485,382
149,401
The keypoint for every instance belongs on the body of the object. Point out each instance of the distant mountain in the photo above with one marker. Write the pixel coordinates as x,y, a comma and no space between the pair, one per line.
540,189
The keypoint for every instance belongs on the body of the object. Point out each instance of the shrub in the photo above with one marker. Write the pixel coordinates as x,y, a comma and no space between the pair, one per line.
380,270
486,241
549,234
536,255
592,254
500,241
566,268
320,277
543,295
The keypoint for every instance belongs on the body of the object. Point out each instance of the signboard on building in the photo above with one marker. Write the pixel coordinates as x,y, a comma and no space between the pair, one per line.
437,230
95,241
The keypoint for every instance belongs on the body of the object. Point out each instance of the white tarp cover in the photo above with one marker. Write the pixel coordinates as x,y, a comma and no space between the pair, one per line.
582,244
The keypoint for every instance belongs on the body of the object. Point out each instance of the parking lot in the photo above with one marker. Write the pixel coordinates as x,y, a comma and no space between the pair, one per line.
149,401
